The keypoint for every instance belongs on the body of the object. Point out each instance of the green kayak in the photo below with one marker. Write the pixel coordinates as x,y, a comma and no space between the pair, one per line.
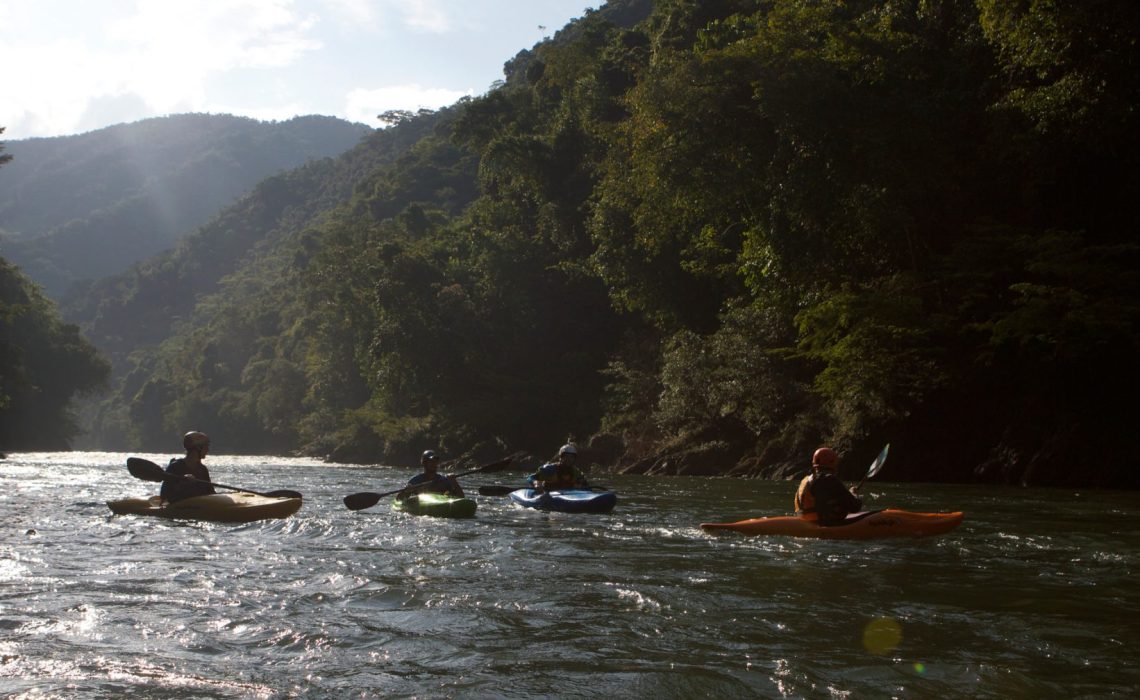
439,505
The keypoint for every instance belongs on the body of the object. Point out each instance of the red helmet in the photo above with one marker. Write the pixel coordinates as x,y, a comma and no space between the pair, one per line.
825,457
194,439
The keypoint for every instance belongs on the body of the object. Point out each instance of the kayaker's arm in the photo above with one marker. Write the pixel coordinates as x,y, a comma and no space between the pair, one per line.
456,489
537,480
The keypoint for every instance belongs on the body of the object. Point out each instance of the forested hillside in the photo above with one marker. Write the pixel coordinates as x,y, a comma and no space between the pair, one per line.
88,206
699,237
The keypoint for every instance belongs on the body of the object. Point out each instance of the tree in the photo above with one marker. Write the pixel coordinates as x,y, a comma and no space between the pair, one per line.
44,363
4,157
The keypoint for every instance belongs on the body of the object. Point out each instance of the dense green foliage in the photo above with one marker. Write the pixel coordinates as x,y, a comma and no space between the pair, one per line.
87,206
44,363
712,235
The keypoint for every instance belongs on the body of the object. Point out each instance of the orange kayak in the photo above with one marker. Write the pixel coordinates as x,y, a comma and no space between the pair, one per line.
860,526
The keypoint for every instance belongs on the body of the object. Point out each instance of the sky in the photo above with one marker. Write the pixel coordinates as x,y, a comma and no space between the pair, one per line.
72,66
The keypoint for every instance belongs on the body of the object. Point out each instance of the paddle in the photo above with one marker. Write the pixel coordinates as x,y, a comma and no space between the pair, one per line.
875,466
506,490
367,499
149,471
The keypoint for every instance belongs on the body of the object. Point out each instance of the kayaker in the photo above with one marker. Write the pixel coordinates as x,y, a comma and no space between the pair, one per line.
190,467
822,495
562,473
431,479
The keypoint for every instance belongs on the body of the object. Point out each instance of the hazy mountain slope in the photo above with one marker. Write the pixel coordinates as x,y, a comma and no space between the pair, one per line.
128,315
87,206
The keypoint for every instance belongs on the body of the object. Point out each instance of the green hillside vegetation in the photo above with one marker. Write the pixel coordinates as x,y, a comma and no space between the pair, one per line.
89,206
44,365
700,237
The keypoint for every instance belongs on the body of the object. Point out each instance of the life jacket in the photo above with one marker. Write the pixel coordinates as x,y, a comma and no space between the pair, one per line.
554,478
562,481
822,496
172,491
805,499
437,484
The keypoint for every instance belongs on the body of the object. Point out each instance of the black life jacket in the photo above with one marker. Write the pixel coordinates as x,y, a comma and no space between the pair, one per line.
172,491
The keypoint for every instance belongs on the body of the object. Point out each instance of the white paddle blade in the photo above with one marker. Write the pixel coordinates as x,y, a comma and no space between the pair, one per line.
879,461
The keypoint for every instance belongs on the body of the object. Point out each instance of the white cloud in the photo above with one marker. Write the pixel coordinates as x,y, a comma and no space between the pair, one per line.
426,16
160,53
204,35
363,105
355,14
421,16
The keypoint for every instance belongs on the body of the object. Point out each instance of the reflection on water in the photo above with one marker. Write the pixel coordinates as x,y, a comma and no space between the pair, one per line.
1034,596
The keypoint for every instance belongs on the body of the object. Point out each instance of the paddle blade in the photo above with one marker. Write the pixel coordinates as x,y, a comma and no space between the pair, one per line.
145,469
359,501
879,462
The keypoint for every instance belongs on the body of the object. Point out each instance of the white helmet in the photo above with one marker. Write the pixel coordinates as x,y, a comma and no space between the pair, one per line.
568,449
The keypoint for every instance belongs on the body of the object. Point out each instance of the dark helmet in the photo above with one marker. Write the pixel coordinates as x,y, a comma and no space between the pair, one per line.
428,456
194,440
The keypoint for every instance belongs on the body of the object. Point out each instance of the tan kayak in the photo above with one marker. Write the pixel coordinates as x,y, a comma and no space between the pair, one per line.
219,507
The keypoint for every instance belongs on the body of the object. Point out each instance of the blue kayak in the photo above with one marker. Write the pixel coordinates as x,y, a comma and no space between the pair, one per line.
567,501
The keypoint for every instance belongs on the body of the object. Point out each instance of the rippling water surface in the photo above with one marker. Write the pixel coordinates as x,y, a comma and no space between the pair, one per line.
1035,595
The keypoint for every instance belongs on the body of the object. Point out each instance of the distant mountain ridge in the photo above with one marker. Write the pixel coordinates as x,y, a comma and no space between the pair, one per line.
88,206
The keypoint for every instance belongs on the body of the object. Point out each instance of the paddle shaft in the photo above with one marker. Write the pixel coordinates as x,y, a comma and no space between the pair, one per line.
149,471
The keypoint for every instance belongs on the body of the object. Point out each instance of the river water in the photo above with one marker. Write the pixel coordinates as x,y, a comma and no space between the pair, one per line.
1034,596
